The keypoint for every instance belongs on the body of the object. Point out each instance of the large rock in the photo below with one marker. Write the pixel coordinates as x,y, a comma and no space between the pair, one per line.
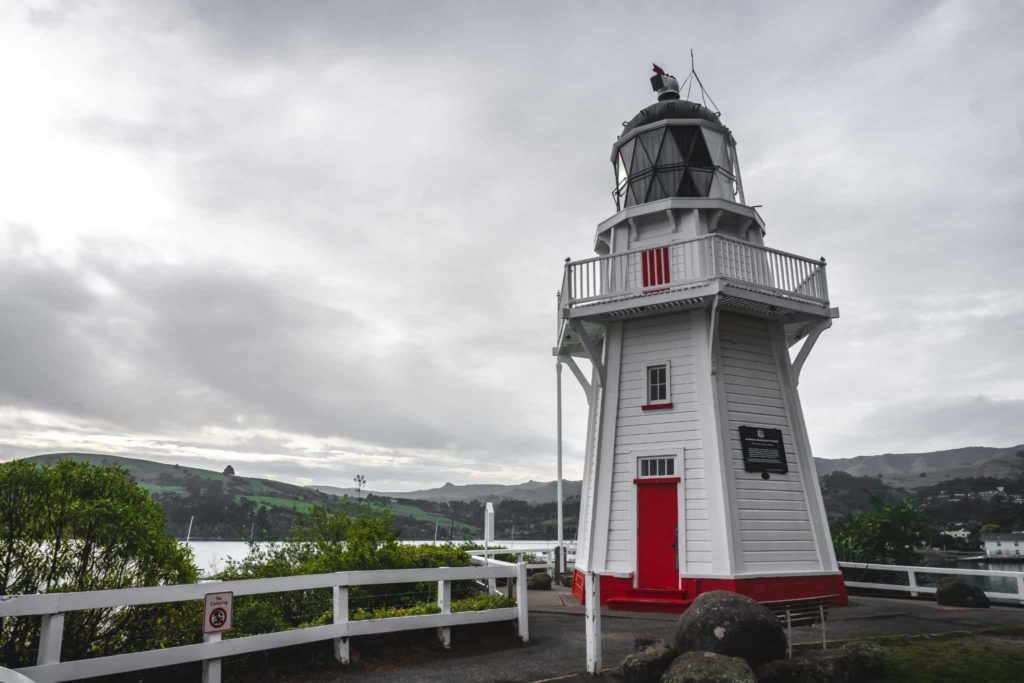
956,592
648,662
708,667
854,663
731,624
541,581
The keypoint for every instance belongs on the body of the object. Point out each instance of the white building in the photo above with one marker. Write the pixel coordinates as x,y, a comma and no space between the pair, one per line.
698,473
1004,545
959,534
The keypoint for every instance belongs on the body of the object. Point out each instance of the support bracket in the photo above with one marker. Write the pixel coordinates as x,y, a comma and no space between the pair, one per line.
805,350
571,362
592,351
713,335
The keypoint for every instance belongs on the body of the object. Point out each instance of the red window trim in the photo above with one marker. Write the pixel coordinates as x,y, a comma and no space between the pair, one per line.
657,480
656,406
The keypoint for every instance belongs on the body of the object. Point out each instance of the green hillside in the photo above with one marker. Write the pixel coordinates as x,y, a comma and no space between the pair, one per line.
230,507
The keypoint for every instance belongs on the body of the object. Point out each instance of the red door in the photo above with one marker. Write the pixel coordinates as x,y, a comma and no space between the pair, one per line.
657,534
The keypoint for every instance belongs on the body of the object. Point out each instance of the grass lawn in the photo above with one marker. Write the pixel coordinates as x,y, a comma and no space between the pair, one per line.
402,510
274,501
161,488
991,656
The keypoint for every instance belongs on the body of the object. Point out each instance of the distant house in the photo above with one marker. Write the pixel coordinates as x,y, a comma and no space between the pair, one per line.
1004,545
961,534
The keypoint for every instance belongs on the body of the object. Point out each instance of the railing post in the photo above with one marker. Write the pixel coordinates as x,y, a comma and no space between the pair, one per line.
913,582
1020,588
211,667
341,645
51,635
444,603
522,602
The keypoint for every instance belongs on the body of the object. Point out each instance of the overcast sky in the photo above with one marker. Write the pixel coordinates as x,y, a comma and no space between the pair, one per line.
314,240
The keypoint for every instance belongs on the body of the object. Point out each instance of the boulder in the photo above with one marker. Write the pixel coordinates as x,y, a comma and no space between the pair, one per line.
956,592
853,663
649,661
708,667
541,581
731,624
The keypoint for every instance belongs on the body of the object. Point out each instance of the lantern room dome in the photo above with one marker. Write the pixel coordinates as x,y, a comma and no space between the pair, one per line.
670,109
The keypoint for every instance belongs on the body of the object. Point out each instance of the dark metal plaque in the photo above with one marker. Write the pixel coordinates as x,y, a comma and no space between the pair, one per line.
763,450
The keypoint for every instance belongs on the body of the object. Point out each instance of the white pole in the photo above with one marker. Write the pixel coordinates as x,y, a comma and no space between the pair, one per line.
188,536
560,556
592,598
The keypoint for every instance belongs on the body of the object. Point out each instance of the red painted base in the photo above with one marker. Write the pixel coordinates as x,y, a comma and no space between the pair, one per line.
618,593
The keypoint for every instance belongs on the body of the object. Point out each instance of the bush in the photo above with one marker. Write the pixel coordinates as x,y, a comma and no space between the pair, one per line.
79,527
323,541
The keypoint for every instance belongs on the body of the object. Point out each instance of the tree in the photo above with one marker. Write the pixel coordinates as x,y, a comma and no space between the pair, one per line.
885,533
991,529
77,527
229,471
360,481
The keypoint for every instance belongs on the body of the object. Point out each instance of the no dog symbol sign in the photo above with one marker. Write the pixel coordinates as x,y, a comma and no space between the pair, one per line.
217,615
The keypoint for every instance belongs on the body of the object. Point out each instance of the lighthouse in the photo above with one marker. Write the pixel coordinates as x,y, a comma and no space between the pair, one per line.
698,472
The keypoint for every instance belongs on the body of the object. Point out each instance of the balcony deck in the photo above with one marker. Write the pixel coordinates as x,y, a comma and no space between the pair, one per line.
689,274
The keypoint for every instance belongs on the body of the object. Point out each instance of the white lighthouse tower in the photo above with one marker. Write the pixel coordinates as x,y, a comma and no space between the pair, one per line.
698,473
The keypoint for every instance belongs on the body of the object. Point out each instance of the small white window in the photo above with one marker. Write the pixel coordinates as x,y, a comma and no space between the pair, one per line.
658,391
657,467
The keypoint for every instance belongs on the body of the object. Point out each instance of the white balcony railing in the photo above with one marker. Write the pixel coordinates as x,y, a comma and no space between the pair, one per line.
682,265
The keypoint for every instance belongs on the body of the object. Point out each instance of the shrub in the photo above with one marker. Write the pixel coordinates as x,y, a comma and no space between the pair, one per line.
323,541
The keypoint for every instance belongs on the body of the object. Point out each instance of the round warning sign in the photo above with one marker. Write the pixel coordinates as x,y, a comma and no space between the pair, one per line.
217,615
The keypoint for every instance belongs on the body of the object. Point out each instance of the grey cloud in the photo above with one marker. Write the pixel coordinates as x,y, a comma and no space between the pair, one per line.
944,422
437,161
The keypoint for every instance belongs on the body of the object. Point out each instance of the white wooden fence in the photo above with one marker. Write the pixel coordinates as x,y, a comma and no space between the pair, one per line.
914,587
548,554
51,607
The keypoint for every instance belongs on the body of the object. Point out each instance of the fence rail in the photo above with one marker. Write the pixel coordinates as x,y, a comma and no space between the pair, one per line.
988,578
689,262
52,606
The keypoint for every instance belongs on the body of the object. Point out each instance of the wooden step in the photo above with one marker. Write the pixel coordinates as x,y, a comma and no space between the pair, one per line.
651,601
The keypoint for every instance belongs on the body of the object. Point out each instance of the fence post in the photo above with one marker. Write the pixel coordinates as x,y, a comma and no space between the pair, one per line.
211,667
1020,588
444,603
913,582
592,598
522,602
50,637
341,645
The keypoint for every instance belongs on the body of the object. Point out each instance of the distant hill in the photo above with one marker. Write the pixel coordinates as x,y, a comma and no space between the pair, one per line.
233,507
916,470
159,477
217,505
534,492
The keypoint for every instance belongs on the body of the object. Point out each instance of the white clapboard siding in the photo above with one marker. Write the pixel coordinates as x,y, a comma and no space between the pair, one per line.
775,522
666,432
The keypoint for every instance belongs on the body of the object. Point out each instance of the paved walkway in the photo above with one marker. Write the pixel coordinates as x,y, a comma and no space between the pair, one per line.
557,649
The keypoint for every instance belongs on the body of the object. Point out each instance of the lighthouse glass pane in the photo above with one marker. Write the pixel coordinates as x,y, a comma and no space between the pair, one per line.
670,154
